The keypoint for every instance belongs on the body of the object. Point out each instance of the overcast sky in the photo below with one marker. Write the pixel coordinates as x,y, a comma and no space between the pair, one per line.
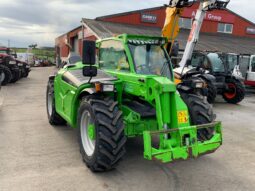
41,21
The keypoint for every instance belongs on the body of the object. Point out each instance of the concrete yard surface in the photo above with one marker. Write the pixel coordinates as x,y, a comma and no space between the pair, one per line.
36,156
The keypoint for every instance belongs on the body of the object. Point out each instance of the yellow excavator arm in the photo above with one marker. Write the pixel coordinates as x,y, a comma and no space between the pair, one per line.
171,27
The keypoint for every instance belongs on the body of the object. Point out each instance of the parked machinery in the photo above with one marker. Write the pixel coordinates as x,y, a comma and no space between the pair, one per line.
171,31
11,72
224,67
13,69
24,67
247,69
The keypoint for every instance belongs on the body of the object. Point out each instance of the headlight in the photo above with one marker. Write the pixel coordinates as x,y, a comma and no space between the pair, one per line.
199,84
108,88
99,87
12,62
20,64
27,66
1,60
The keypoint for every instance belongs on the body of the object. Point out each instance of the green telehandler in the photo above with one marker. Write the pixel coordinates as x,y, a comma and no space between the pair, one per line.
124,87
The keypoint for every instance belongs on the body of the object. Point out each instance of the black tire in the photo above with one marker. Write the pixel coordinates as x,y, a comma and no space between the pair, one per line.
200,112
109,146
7,75
237,91
53,117
16,75
212,92
23,72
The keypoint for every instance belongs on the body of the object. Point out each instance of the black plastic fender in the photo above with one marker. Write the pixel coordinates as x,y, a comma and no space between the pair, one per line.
86,92
208,77
238,78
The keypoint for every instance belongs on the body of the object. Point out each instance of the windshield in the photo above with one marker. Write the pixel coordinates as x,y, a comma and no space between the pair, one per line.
150,59
3,52
197,60
217,62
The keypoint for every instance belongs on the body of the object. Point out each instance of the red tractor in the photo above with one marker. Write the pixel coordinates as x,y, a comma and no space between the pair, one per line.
12,68
9,67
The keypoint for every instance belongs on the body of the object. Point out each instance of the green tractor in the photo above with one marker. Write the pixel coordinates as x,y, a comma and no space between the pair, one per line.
124,87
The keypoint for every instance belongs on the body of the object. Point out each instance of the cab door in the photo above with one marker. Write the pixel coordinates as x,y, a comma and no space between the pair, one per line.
244,62
251,71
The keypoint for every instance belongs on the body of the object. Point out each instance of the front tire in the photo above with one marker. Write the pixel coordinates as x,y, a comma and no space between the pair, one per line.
103,146
236,91
200,112
53,117
16,75
212,92
26,74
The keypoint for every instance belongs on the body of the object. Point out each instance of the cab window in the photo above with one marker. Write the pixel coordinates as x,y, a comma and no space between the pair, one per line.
150,59
217,62
232,61
199,60
112,56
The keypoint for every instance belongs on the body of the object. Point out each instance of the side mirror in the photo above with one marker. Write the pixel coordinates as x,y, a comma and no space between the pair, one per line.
89,52
89,58
90,71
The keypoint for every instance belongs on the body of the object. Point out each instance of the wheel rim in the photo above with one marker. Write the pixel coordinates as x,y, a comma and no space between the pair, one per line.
2,77
87,142
232,91
50,102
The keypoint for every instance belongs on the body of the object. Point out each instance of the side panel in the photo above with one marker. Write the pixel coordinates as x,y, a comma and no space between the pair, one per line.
64,96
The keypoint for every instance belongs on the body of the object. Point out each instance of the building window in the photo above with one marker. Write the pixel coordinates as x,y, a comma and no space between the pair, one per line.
185,23
225,28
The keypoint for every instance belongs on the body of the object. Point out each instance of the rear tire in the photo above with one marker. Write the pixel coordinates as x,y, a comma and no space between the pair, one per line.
16,75
7,75
237,91
105,150
200,112
53,117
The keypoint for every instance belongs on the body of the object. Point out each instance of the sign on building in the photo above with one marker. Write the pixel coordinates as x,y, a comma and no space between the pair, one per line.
211,16
148,18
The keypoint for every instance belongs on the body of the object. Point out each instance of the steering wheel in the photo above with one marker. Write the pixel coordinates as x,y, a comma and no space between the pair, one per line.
143,68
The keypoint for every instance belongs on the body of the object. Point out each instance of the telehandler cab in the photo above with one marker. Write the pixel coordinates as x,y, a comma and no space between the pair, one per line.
124,87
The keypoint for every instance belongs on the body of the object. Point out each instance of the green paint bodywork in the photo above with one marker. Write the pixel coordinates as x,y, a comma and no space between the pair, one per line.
177,139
